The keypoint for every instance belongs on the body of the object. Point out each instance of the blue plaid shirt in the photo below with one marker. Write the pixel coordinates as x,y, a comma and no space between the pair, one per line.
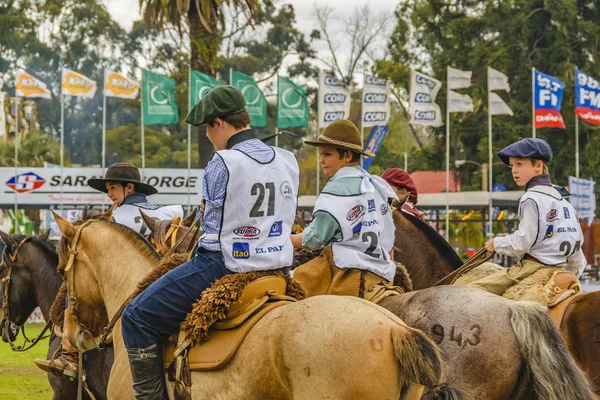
216,179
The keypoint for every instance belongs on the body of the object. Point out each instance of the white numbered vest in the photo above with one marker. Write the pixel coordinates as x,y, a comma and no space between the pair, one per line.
559,233
129,215
366,223
258,211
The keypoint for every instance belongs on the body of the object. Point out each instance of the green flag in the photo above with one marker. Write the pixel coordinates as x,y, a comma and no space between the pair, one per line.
256,104
201,85
158,99
292,105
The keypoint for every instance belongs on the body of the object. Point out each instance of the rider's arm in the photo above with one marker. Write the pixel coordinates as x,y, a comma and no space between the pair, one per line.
520,241
576,263
322,231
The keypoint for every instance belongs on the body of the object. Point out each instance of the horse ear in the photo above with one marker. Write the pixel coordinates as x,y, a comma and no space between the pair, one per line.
187,221
66,228
8,241
44,236
107,216
151,222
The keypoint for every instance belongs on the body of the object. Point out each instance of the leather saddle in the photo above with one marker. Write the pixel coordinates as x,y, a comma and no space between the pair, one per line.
258,298
562,290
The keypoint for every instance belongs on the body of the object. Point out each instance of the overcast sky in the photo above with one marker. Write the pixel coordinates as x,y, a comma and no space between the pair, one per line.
126,11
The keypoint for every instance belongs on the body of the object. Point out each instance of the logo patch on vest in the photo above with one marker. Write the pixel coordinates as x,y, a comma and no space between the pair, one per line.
552,215
549,232
246,231
286,190
384,209
566,212
240,250
276,229
355,213
356,229
371,204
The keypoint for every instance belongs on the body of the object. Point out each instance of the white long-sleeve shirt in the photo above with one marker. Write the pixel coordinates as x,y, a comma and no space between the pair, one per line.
548,231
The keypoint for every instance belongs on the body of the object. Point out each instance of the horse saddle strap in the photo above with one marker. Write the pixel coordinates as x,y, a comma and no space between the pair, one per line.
479,258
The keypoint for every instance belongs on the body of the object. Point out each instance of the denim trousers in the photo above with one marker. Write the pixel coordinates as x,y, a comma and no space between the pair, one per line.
159,310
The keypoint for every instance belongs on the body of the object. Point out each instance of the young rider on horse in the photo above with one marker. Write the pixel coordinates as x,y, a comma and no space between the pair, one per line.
128,193
549,234
123,185
351,218
250,193
403,186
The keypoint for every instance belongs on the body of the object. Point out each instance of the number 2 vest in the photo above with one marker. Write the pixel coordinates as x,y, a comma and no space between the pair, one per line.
559,233
258,211
366,223
129,215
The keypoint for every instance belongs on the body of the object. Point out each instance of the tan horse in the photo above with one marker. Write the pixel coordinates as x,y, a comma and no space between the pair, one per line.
325,347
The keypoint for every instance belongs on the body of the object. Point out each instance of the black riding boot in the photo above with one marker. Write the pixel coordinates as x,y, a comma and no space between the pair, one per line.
148,373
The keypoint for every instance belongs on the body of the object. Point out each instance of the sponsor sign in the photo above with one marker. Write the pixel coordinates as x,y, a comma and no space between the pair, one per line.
117,85
334,100
276,229
375,101
587,98
548,96
75,84
583,197
42,186
246,232
423,108
28,86
355,213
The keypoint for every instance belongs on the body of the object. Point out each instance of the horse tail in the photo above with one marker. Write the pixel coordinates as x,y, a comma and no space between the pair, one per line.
420,362
552,370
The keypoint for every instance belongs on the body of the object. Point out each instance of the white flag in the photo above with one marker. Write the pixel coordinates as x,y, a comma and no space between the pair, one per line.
28,86
118,85
1,83
375,101
497,80
459,102
458,79
75,84
498,106
423,108
334,100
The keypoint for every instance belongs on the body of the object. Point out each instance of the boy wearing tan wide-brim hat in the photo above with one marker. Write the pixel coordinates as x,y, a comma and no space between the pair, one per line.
351,220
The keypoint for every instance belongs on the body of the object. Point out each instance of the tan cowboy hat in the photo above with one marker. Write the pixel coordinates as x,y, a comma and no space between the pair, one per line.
123,172
343,134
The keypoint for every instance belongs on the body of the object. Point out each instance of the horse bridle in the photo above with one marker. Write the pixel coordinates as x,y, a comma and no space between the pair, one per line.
6,324
171,234
107,330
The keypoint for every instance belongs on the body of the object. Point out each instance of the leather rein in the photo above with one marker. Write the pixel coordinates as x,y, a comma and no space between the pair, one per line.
6,325
107,330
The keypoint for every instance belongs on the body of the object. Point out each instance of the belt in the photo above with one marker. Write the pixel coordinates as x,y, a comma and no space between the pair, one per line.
531,258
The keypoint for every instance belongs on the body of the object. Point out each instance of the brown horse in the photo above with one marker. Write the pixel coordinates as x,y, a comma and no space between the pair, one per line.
324,347
35,282
428,258
495,348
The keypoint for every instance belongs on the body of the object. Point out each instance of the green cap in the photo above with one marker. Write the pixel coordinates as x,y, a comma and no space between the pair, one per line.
218,103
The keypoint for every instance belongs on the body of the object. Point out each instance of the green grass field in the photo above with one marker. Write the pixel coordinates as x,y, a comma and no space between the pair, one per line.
20,379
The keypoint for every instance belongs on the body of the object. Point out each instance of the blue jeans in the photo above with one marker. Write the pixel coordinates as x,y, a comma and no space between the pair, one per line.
159,310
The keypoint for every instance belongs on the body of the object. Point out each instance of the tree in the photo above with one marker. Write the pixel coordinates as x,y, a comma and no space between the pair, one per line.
205,23
552,36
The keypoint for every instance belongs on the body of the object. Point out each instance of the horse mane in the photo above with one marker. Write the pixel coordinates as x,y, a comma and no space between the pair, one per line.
46,246
436,239
127,233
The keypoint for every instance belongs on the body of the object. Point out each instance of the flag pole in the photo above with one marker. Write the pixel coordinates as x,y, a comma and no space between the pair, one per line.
489,231
103,136
362,117
62,145
577,148
17,228
142,121
447,155
533,99
189,137
406,149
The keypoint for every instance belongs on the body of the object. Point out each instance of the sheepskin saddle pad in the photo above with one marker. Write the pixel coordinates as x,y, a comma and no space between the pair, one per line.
218,323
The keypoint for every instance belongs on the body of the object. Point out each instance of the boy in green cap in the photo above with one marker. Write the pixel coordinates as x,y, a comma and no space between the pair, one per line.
250,195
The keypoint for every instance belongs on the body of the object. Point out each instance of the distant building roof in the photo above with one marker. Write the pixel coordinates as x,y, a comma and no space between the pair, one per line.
433,182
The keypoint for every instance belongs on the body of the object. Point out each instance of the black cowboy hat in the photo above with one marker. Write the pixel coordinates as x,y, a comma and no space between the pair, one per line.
122,172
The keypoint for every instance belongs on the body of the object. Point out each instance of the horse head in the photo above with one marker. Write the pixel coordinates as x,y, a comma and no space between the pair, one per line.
166,233
17,289
86,313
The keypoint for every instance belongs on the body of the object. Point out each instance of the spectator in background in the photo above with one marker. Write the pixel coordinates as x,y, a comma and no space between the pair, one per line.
404,186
